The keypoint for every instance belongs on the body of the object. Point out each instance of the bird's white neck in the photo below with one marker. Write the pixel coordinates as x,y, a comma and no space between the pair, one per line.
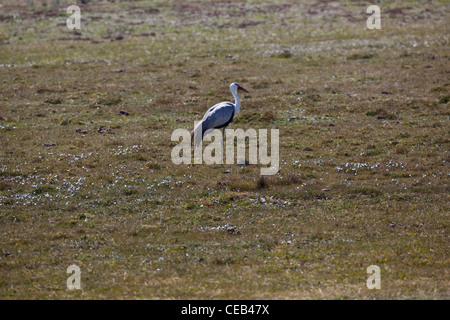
237,102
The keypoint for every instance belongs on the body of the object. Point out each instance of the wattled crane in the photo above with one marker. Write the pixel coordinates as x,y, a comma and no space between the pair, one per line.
218,116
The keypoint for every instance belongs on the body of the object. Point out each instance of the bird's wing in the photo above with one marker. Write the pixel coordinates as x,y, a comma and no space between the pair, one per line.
218,115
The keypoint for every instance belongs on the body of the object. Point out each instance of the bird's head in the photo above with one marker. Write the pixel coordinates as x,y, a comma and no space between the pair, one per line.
234,87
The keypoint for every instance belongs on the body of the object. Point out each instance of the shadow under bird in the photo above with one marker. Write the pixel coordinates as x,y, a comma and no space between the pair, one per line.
219,116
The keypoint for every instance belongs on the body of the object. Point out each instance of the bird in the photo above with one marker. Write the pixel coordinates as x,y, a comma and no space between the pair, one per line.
219,116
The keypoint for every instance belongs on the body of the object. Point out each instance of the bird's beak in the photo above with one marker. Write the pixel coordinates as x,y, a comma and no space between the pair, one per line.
241,88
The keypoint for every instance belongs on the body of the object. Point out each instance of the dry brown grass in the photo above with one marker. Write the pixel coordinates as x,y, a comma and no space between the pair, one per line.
363,118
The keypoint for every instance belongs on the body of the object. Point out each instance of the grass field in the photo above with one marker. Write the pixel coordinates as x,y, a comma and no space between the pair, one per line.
364,140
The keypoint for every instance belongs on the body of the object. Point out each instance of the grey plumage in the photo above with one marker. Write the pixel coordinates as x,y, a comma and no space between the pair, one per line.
218,116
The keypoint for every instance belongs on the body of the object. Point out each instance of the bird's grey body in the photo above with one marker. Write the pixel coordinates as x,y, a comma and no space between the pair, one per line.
219,116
